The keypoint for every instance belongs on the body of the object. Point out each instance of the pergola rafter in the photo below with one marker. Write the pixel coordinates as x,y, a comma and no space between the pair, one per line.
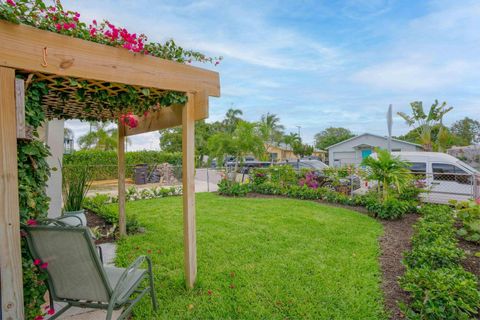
57,59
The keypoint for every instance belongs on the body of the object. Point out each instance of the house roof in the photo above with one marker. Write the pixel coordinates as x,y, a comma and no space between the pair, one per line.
373,135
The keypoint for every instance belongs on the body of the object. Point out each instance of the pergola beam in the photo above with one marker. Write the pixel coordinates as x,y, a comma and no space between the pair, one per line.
28,48
170,116
10,253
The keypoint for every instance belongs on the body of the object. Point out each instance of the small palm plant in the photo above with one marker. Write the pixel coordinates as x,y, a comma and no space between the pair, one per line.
388,170
75,185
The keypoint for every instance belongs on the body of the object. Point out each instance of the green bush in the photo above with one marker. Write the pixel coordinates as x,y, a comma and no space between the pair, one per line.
232,188
445,293
438,286
389,209
104,163
469,214
439,253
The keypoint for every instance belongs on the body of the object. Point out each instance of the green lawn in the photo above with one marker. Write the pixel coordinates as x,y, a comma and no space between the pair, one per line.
260,259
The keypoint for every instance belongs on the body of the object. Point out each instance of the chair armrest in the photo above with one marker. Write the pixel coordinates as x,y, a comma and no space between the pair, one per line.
122,281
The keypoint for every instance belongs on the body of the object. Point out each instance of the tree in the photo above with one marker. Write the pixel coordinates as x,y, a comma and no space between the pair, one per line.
331,136
171,139
388,170
302,150
231,119
243,141
291,138
100,137
270,128
467,130
425,122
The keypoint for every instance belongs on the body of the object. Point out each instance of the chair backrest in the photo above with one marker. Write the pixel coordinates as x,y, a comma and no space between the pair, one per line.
74,268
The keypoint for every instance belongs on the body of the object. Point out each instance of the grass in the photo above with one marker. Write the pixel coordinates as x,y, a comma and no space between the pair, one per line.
260,259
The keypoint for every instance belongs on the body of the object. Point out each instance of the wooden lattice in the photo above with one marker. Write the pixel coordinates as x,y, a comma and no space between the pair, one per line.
62,100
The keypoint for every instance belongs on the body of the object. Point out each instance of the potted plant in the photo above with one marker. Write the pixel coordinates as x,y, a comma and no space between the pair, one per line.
76,182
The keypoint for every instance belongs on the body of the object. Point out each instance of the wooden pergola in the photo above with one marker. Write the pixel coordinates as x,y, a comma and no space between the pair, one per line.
53,57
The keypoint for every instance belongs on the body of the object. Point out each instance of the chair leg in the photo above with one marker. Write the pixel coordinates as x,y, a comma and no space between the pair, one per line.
60,312
152,286
109,311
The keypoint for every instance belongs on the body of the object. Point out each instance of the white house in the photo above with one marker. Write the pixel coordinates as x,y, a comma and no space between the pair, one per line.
354,150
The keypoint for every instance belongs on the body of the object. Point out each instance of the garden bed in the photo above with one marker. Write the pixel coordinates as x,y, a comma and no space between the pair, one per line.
95,221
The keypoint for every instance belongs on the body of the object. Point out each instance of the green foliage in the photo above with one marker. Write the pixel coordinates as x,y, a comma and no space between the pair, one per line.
331,136
389,171
270,129
424,122
99,137
437,294
104,163
438,286
389,209
33,174
232,188
468,130
75,184
302,150
468,213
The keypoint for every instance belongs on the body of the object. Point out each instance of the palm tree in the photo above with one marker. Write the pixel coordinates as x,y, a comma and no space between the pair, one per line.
270,128
425,122
388,170
291,139
231,119
100,137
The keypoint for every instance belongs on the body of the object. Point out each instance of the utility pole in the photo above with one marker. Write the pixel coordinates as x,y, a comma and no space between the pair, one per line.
389,125
299,127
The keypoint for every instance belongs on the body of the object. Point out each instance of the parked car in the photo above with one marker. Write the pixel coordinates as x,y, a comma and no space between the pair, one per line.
312,164
446,177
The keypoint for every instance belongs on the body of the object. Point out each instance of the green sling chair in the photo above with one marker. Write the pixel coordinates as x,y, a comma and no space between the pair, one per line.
77,277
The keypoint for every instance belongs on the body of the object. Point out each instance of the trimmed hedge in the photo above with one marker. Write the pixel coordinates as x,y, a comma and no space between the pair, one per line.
438,285
104,163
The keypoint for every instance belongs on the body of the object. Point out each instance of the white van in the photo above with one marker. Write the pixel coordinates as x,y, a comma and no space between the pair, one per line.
445,176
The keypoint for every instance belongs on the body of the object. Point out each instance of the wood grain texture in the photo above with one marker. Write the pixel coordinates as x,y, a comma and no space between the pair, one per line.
122,219
188,179
10,254
20,108
21,47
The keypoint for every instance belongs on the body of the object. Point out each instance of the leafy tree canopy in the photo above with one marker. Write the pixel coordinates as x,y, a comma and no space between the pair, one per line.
467,130
331,136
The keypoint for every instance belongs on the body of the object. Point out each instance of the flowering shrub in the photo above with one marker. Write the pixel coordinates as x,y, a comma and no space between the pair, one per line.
55,18
310,180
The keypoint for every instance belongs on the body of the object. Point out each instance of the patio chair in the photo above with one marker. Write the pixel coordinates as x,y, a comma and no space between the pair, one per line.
77,277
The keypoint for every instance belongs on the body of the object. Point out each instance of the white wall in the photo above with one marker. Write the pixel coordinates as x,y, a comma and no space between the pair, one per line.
52,135
349,153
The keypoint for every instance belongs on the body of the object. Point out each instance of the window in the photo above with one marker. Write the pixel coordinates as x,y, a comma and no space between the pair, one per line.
449,172
418,167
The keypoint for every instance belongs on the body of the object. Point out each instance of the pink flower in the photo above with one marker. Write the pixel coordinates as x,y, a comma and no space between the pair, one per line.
75,19
12,3
77,15
39,318
93,32
32,222
44,265
58,26
51,311
36,262
94,22
477,201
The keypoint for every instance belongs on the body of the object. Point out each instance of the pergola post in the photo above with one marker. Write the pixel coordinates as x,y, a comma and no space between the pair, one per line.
122,220
188,179
10,252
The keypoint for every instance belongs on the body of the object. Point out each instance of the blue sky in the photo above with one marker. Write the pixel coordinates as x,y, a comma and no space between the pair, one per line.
319,63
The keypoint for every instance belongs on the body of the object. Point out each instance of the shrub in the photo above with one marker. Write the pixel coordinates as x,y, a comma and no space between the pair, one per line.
389,209
469,215
105,162
439,287
282,175
439,253
445,293
232,188
258,176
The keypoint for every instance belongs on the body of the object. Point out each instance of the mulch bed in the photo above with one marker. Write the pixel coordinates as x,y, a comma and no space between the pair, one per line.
94,220
471,262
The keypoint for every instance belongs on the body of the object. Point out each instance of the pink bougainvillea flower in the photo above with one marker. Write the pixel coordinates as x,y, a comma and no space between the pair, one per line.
44,265
12,3
36,262
39,318
58,26
94,22
32,222
51,311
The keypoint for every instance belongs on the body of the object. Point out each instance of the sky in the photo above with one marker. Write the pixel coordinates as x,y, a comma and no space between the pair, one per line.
318,63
